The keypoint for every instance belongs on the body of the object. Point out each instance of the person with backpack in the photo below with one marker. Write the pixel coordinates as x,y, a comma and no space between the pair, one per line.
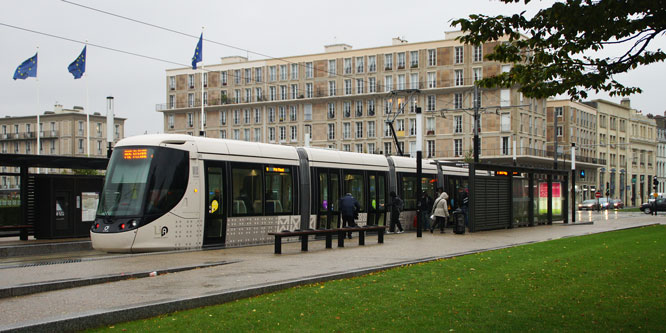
440,210
395,205
349,208
425,208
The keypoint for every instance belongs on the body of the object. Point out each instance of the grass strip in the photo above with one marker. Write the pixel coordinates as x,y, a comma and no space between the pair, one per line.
614,281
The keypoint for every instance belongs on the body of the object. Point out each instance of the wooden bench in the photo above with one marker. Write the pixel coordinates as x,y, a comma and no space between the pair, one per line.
23,230
328,233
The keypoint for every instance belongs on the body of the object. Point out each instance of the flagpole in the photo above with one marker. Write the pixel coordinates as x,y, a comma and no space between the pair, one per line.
202,133
87,107
38,129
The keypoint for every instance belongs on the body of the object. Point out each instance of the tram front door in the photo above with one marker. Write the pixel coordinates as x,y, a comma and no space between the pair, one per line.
377,196
215,223
328,212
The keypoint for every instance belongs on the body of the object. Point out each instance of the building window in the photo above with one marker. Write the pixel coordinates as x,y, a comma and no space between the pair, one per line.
458,73
271,115
294,91
388,62
371,129
223,117
458,55
294,71
282,113
283,72
430,148
172,82
308,90
360,64
190,81
332,68
246,116
505,122
432,80
478,73
346,109
294,133
477,98
292,113
457,101
360,89
190,100
283,134
271,134
371,148
401,60
309,72
348,87
372,64
80,146
257,135
372,85
413,59
457,147
387,148
205,79
505,145
331,110
359,109
559,112
401,82
171,121
205,98
478,53
432,57
371,107
272,93
388,83
348,65
258,73
414,81
246,135
430,103
346,130
283,93
331,131
457,124
412,126
559,131
223,78
331,88
236,117
272,73
359,130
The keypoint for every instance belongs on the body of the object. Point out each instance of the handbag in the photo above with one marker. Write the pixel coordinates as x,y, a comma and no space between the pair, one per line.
432,217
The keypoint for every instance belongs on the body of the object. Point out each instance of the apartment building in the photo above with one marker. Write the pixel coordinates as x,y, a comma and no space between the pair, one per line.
62,132
628,143
342,98
574,122
661,152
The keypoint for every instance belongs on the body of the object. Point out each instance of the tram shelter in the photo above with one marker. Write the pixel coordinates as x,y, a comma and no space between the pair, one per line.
53,205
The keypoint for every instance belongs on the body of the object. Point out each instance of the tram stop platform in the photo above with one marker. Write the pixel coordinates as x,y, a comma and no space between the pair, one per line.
84,289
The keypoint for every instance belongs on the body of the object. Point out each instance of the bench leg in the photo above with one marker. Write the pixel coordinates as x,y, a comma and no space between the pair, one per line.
380,236
304,243
341,239
329,240
23,234
361,237
278,244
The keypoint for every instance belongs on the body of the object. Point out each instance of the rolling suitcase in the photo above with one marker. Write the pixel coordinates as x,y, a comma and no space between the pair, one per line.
459,222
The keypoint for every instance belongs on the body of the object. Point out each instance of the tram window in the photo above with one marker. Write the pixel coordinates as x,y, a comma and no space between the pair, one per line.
409,195
246,191
429,185
355,185
279,190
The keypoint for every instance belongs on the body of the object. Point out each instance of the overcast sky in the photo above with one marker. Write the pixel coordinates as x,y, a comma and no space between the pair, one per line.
273,28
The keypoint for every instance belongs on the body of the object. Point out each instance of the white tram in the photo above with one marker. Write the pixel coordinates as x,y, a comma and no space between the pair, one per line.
167,192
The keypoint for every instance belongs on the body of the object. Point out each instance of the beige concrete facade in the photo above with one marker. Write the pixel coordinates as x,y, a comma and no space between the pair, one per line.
62,132
576,123
339,99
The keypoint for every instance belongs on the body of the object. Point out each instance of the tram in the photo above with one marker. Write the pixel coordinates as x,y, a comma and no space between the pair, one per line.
170,191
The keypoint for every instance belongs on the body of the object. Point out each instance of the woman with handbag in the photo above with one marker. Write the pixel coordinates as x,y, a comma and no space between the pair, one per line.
440,211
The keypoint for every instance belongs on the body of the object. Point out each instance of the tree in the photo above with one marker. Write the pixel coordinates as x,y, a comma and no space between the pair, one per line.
557,55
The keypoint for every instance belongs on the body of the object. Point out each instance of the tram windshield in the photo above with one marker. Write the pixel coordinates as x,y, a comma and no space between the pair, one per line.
143,181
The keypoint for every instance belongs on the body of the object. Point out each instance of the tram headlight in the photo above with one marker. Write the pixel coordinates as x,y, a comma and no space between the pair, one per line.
133,223
122,226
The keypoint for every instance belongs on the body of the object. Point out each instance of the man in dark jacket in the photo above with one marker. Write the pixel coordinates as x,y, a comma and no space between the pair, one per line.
396,207
425,207
349,207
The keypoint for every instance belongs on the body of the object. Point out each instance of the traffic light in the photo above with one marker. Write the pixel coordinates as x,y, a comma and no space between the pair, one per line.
582,174
655,183
607,188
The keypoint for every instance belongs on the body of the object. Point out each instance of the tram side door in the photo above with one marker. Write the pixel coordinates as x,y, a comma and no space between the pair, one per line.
377,196
215,223
328,196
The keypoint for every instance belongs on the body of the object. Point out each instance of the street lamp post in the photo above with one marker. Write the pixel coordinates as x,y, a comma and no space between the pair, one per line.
476,124
573,182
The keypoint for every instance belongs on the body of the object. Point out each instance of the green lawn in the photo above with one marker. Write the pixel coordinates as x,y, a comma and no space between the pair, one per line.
614,281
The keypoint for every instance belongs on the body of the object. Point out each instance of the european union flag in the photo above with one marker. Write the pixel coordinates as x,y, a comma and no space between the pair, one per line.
198,52
78,67
27,69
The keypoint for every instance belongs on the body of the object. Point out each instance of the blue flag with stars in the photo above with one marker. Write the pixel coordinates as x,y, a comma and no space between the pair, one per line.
78,67
27,69
198,52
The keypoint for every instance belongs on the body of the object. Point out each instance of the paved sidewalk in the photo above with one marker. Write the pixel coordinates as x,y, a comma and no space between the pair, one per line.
250,271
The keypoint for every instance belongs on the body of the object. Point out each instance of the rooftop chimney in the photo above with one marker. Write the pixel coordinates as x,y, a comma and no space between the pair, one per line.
398,41
626,102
